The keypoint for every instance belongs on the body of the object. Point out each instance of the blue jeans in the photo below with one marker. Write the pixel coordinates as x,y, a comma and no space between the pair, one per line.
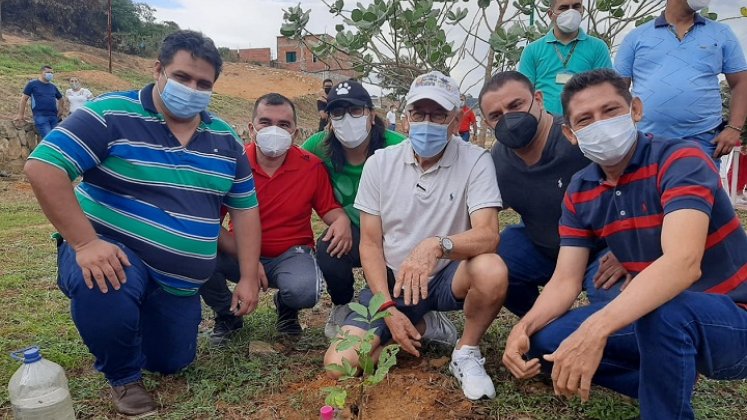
528,269
393,126
658,358
465,136
45,123
138,326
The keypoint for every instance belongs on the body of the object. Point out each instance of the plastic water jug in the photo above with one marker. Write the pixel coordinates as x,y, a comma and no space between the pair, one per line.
38,390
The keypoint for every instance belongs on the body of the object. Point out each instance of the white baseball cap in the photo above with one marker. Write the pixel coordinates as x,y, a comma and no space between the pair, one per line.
436,87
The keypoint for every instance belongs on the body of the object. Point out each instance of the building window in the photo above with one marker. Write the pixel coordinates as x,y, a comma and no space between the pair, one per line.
290,57
314,58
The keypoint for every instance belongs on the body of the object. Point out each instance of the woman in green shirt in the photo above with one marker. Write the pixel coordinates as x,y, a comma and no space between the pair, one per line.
356,133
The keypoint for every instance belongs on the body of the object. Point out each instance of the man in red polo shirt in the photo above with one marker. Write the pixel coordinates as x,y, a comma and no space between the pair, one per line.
468,120
290,182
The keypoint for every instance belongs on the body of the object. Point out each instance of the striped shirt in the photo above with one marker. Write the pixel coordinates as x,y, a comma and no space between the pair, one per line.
663,176
145,190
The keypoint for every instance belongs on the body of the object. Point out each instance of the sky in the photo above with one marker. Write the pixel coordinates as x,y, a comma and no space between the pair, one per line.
256,24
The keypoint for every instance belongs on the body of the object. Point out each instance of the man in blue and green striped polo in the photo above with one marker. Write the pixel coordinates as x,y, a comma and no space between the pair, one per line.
139,233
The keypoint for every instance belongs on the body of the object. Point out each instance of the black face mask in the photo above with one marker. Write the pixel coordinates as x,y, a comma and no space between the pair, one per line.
516,130
327,89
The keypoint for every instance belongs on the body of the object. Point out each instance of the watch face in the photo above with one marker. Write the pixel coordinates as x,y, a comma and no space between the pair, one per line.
447,244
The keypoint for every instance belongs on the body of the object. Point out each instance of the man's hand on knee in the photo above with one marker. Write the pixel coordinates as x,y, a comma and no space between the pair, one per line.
412,279
102,261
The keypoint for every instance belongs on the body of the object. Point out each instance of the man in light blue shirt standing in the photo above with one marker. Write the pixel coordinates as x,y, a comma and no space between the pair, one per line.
674,63
552,60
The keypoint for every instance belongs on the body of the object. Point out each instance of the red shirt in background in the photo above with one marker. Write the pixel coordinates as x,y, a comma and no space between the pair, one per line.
287,198
468,118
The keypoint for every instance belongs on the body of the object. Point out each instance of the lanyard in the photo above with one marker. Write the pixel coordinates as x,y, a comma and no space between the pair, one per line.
567,58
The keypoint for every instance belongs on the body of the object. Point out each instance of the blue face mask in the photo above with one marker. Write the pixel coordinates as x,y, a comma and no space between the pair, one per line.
184,102
49,76
428,139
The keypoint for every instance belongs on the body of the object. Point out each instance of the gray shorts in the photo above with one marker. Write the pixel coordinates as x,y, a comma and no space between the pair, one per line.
440,298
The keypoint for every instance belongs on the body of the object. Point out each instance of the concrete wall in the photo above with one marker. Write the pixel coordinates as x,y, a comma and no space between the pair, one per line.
16,142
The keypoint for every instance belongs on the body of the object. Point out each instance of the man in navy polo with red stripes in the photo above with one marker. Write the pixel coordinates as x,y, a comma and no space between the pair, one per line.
659,205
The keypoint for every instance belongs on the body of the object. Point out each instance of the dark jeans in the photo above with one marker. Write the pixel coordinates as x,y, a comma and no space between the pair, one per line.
464,136
658,358
138,326
45,123
338,272
528,269
294,273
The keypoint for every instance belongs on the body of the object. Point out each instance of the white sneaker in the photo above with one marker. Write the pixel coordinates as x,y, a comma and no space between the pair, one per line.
467,366
439,329
336,319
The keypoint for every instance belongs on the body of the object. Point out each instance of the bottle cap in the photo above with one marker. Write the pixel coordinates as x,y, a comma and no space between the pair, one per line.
27,355
326,412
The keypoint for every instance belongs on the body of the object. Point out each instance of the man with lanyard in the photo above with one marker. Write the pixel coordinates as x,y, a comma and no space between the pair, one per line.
534,163
552,60
674,63
140,231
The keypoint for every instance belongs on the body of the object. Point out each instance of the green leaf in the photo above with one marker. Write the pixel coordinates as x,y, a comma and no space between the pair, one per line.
376,301
356,15
288,29
367,365
336,397
350,370
339,27
387,360
369,17
380,315
482,4
335,368
359,309
348,342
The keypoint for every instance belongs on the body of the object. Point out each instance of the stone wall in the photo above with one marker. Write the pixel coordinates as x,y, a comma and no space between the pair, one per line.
17,140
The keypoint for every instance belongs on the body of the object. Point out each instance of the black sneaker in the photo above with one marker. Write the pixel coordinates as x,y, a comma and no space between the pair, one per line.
224,329
287,322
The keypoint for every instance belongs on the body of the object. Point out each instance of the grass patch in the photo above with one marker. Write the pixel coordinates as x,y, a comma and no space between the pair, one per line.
24,59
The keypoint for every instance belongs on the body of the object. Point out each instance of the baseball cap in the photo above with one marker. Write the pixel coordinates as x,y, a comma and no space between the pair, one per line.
350,92
436,87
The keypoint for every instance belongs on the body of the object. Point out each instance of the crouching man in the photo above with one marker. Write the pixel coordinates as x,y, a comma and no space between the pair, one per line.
429,230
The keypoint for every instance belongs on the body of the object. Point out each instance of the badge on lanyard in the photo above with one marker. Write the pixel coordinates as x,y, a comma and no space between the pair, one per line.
563,78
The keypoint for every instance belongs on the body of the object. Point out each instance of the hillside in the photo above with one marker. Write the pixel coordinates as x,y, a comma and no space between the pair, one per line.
235,92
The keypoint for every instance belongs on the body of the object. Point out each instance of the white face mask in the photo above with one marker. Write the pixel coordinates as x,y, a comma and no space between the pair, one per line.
607,142
569,21
273,141
697,5
351,132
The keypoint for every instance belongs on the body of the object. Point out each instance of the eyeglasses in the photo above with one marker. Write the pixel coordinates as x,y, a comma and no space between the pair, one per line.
355,111
438,117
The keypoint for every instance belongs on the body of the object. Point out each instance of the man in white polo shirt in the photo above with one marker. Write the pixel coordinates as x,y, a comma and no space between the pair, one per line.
429,231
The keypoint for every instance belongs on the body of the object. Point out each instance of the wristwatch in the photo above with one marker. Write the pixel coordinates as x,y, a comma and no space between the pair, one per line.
447,245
